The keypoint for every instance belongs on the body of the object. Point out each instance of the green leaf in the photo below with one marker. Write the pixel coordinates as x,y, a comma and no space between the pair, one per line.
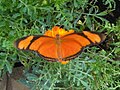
31,77
88,22
2,63
84,83
75,3
102,13
9,67
16,15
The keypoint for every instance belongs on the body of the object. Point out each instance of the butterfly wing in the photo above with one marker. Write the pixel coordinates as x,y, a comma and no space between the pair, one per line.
94,37
44,45
73,44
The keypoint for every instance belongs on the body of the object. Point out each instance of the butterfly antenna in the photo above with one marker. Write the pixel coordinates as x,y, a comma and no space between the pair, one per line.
100,47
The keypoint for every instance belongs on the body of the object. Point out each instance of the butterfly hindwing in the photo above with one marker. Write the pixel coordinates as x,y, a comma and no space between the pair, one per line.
45,46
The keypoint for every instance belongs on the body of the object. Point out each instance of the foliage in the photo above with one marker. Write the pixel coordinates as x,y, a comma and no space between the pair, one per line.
94,69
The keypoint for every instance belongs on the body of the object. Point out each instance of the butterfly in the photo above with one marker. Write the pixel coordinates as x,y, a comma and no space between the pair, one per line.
59,45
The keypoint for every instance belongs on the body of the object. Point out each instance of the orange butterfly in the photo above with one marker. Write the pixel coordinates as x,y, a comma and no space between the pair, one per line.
58,44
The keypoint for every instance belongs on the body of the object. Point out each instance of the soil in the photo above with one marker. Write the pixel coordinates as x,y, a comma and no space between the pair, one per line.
9,81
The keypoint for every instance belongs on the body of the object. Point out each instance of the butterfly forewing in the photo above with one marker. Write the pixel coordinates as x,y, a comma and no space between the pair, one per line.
73,44
45,46
94,37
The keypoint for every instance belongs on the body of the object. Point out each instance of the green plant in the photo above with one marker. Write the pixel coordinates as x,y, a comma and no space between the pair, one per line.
95,69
